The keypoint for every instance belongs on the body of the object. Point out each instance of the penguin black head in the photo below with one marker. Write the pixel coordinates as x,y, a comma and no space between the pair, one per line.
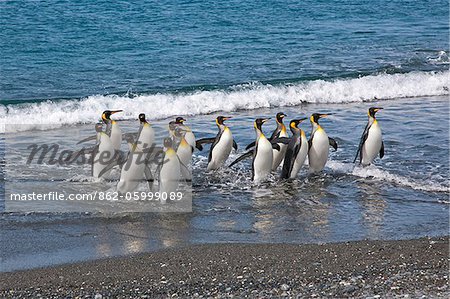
106,115
259,122
221,119
142,118
167,142
373,110
179,120
316,116
280,116
294,124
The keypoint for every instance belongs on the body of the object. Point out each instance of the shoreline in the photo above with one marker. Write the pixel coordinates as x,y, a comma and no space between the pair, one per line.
414,267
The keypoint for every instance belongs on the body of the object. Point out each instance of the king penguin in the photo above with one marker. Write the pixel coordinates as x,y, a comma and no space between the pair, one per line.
280,131
319,143
296,151
103,154
184,152
371,142
136,167
189,135
221,144
170,170
262,155
112,128
146,134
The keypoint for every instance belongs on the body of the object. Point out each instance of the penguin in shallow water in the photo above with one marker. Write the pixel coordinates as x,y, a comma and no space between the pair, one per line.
263,155
280,131
112,128
221,144
170,170
318,143
189,135
296,151
103,154
146,135
371,142
184,153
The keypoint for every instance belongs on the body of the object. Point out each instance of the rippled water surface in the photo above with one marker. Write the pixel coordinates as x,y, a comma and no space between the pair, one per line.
404,195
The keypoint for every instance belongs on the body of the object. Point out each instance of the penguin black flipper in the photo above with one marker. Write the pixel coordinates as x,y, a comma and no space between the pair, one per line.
275,134
235,146
216,140
289,159
87,139
199,143
361,143
276,146
250,145
382,150
333,143
242,157
149,177
283,140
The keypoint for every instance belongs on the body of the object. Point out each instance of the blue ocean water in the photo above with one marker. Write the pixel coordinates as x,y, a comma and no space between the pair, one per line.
74,49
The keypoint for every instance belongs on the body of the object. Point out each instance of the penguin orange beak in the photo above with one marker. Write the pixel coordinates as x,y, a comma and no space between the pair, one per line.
302,119
378,108
116,111
265,120
227,117
325,115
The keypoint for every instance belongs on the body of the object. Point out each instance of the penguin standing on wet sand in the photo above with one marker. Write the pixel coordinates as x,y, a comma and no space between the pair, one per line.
296,151
221,144
112,128
371,142
319,143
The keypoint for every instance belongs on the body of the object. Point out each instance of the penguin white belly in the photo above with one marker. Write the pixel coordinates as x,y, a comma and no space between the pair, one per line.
278,156
318,153
132,173
190,138
169,175
147,137
116,136
221,150
104,156
372,145
184,153
262,162
300,159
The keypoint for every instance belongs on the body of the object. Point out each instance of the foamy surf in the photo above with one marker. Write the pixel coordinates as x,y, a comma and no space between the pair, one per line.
384,175
53,114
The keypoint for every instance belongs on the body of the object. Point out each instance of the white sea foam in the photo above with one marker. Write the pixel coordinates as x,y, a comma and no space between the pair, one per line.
384,175
53,114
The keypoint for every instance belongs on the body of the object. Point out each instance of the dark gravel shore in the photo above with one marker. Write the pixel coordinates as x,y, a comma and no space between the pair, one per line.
367,269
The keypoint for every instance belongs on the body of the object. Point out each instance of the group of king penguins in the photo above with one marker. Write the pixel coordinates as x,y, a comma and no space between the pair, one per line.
267,153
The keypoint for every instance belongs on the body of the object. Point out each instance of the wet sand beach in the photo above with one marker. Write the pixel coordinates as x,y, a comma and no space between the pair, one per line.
362,269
